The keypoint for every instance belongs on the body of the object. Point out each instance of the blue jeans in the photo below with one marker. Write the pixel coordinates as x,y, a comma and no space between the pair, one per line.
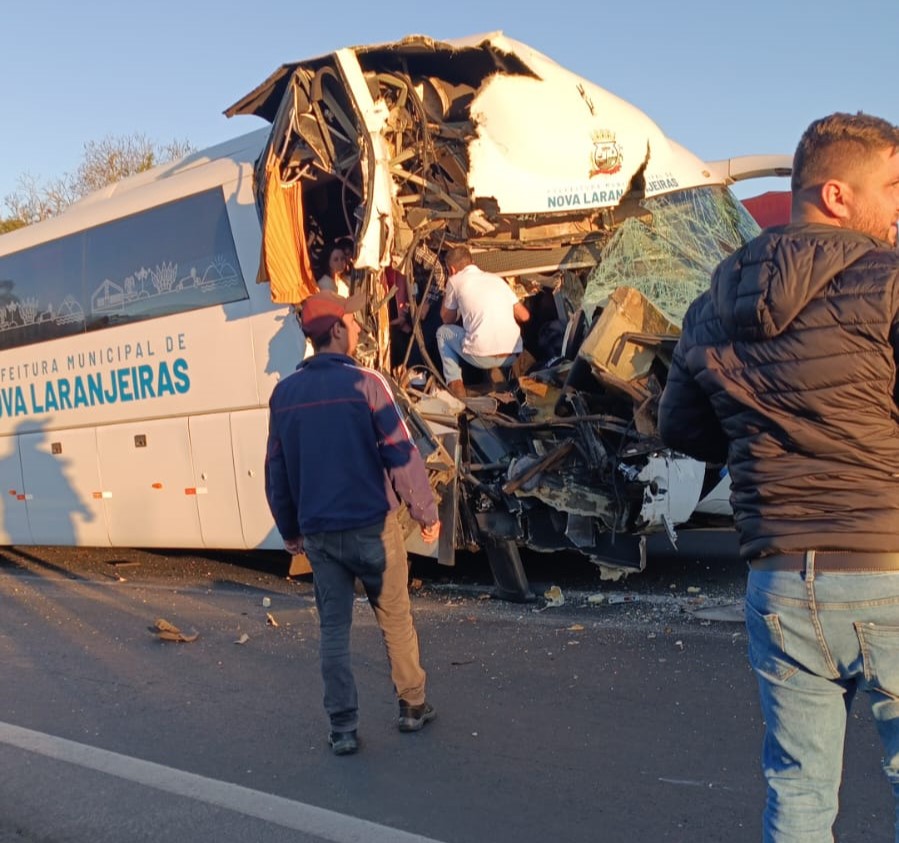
449,344
814,639
377,556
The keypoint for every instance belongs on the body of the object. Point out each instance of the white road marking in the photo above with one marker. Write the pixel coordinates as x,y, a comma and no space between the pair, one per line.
309,819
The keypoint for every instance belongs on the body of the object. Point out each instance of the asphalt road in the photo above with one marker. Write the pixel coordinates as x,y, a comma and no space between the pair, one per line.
626,714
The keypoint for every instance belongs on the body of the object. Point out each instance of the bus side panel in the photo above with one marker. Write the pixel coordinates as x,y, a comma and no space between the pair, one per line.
148,484
276,347
63,480
210,443
249,431
14,526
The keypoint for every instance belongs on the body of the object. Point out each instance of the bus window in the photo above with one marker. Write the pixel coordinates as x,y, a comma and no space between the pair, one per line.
173,258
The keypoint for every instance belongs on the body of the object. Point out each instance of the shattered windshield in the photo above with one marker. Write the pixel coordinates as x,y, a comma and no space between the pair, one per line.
670,256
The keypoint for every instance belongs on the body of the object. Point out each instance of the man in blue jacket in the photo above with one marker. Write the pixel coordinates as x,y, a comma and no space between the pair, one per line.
339,460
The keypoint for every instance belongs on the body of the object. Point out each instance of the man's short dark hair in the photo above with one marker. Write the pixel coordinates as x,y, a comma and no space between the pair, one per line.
458,257
320,341
835,144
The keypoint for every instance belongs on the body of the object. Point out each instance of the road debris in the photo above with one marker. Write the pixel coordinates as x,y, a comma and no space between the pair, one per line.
554,597
266,602
615,599
270,619
169,632
730,613
243,639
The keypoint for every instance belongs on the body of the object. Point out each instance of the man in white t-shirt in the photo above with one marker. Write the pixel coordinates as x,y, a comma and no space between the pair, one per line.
489,335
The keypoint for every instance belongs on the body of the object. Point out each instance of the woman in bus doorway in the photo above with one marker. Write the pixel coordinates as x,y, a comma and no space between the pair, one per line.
337,278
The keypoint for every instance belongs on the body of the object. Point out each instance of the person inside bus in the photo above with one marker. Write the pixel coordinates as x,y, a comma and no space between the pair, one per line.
489,335
415,296
349,249
337,278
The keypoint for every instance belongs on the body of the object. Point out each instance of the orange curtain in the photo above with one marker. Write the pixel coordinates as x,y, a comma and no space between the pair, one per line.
285,261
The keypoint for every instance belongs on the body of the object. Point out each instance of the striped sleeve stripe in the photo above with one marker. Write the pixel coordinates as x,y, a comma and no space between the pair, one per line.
382,383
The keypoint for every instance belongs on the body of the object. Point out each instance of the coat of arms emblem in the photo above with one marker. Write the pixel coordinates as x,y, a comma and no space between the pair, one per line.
606,157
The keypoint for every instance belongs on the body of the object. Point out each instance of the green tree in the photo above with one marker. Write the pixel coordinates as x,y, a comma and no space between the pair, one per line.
104,162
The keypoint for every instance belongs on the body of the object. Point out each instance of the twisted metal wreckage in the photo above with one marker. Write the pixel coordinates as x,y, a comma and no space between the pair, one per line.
605,228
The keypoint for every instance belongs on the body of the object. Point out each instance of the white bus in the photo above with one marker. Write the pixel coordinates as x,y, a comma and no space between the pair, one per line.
138,354
138,349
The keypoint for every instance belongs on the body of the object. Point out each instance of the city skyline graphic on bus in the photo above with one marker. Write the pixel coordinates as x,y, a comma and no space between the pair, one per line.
147,288
162,281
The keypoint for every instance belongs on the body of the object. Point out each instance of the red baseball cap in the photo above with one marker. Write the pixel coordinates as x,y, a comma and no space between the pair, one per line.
324,308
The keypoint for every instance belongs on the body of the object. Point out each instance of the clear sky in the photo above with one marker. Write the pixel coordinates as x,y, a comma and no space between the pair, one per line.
722,78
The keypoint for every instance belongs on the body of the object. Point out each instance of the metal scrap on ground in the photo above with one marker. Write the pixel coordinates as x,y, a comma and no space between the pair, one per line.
554,597
166,631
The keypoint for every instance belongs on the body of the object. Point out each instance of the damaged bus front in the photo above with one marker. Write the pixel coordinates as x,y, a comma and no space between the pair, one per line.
605,228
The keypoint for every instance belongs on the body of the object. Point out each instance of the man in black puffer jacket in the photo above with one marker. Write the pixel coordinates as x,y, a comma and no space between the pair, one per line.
787,370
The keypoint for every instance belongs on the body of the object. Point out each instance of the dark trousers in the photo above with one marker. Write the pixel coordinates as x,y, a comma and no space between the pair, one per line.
376,555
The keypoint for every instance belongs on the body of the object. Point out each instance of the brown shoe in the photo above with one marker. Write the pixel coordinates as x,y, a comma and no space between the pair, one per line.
413,717
457,389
